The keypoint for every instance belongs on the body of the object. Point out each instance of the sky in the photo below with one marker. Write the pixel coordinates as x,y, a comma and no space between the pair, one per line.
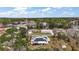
38,12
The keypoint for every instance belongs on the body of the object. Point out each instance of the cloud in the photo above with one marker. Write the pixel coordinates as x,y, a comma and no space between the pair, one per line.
46,9
18,12
67,14
33,12
20,8
70,9
57,7
40,12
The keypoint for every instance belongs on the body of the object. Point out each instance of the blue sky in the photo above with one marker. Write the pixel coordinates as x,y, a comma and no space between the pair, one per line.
26,12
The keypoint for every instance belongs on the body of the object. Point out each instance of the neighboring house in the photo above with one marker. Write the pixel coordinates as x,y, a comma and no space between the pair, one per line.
32,24
34,30
9,25
47,31
1,25
40,40
57,31
75,24
16,23
72,32
22,22
44,25
20,25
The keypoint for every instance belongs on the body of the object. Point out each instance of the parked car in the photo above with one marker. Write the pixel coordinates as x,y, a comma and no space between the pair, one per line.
39,40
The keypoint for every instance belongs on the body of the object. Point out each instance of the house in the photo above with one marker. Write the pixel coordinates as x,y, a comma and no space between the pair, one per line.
72,32
34,30
75,24
58,32
9,25
44,25
47,31
22,22
40,40
16,23
32,24
1,25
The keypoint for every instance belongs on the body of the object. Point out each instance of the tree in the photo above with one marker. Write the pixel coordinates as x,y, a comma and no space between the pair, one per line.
11,30
23,32
20,42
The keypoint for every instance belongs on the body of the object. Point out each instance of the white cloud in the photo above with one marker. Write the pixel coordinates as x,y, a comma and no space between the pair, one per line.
24,12
46,9
5,14
20,8
57,7
67,14
32,12
17,12
70,9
